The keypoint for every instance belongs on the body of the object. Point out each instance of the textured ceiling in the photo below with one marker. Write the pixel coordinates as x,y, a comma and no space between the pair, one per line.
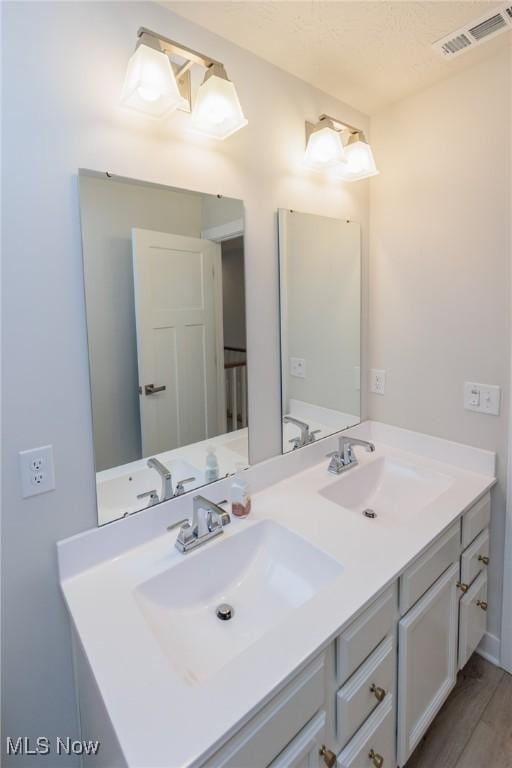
368,54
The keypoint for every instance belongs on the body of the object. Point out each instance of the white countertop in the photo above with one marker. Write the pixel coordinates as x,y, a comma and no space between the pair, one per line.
161,719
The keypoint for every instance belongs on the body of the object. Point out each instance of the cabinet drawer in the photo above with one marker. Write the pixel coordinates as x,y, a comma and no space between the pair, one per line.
472,618
428,567
475,558
359,640
356,700
377,736
475,520
304,750
263,738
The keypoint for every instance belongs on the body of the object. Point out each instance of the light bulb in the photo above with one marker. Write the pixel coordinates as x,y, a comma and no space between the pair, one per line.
149,93
324,148
217,111
150,85
360,163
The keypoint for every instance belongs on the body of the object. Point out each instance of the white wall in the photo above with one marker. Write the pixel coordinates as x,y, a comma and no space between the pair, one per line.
439,271
63,67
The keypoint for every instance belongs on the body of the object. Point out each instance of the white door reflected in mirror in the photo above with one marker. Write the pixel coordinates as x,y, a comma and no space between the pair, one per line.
165,299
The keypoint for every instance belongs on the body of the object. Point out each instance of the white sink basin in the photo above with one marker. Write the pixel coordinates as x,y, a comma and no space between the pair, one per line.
387,487
264,573
118,495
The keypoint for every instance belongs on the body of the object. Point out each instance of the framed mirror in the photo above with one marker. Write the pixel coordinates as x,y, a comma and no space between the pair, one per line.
320,296
165,303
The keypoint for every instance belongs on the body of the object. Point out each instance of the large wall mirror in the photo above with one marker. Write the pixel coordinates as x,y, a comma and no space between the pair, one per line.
165,301
320,289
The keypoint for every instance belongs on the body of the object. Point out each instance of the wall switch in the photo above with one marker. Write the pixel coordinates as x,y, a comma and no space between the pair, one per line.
298,367
377,381
483,398
37,471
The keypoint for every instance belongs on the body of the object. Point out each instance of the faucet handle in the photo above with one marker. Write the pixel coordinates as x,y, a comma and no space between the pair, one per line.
180,489
151,495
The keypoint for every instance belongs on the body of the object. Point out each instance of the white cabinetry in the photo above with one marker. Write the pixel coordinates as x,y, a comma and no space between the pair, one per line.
305,749
427,660
472,618
350,707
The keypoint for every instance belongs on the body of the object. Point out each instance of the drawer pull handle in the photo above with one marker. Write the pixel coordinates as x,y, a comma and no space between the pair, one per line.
483,559
328,756
463,587
378,692
376,759
482,604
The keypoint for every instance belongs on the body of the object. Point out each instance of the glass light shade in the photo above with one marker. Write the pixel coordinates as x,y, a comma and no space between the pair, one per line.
150,85
217,111
359,162
324,148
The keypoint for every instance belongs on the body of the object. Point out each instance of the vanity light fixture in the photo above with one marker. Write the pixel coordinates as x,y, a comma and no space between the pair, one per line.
324,147
156,85
324,139
359,160
217,111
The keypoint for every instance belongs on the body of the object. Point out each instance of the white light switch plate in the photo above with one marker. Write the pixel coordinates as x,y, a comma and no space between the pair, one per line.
377,381
37,471
298,367
482,398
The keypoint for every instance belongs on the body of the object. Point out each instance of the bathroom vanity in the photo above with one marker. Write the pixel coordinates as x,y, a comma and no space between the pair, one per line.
356,598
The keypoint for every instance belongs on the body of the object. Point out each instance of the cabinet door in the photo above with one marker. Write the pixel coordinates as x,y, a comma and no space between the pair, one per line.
304,750
427,660
472,618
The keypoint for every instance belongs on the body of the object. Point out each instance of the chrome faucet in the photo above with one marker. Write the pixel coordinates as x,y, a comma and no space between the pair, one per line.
306,437
345,458
167,491
165,474
208,520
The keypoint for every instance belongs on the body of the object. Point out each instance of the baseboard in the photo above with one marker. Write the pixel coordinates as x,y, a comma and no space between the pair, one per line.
489,648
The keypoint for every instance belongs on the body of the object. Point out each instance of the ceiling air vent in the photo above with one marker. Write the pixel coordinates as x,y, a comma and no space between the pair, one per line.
476,32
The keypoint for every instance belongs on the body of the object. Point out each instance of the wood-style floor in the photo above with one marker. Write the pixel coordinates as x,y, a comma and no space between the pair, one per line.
474,727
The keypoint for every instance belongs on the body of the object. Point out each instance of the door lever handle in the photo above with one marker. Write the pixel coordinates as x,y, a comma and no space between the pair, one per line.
150,389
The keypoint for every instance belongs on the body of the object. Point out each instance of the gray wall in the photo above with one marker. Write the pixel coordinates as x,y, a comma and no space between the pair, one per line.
233,293
63,68
440,266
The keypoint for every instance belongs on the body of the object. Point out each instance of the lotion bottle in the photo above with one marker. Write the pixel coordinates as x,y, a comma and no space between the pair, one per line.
240,495
212,466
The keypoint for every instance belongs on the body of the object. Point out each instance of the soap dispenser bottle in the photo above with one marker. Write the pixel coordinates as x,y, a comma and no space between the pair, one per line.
212,466
240,495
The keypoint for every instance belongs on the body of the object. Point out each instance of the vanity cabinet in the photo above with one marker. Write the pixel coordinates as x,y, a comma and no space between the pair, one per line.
305,750
473,578
281,724
427,660
374,743
472,618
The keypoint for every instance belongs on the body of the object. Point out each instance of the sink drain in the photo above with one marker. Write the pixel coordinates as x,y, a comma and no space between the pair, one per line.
225,612
370,513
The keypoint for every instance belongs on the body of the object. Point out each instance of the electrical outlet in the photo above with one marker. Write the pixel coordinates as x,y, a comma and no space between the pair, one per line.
377,381
298,367
37,471
483,398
